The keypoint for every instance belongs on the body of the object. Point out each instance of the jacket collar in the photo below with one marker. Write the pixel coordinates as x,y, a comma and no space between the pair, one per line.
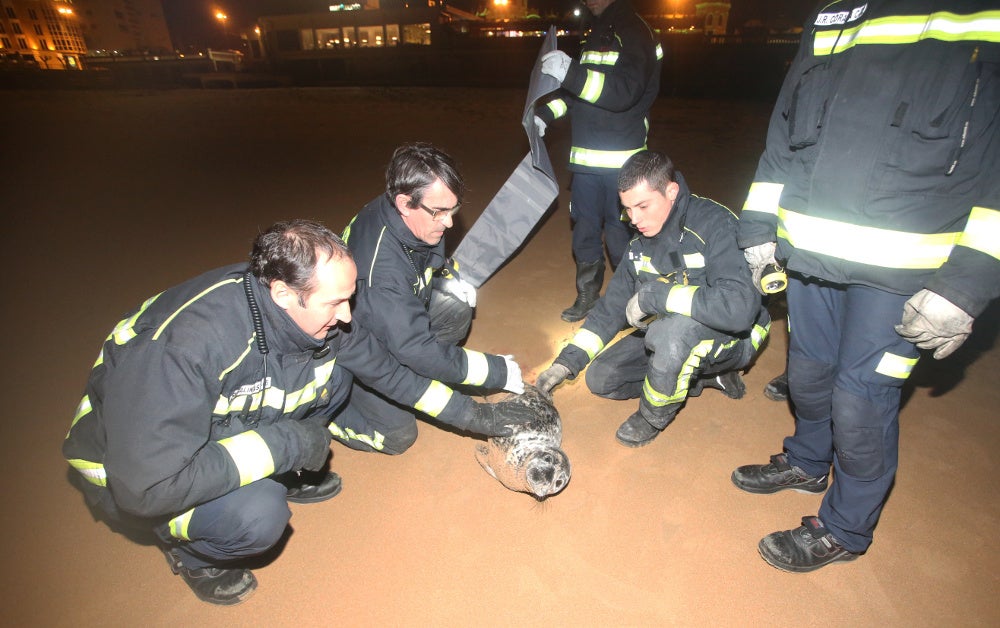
394,223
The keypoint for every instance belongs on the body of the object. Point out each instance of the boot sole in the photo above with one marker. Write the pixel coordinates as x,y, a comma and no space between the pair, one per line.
316,498
633,444
845,558
773,396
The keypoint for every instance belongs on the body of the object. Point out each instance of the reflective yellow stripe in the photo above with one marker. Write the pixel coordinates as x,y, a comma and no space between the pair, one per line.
376,441
123,331
179,525
982,232
100,359
93,471
680,299
726,345
763,198
250,342
192,300
694,260
600,158
758,334
558,107
659,399
307,394
478,368
433,401
896,366
596,57
346,235
659,52
645,264
593,86
908,29
587,340
82,409
251,455
865,245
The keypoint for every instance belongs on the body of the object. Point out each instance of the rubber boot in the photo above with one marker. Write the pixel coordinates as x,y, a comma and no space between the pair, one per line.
589,279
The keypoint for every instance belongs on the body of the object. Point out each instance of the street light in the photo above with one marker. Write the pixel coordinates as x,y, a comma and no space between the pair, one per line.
224,21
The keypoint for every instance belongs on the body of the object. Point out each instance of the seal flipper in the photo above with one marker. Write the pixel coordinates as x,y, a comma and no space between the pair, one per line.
482,457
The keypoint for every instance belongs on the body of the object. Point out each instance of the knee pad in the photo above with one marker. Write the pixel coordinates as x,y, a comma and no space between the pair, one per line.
399,440
858,436
450,318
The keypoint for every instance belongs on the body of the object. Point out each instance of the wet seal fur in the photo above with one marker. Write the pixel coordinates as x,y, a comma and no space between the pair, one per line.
531,459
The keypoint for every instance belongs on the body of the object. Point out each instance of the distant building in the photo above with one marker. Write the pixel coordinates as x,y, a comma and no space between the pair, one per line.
43,34
713,17
124,27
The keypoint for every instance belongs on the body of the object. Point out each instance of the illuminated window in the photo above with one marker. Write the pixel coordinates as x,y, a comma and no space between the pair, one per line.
329,38
417,34
370,36
391,34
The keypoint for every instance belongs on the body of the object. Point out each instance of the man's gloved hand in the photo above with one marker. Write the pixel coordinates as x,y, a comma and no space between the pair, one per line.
634,313
514,383
495,419
540,126
556,64
931,321
758,257
552,377
314,445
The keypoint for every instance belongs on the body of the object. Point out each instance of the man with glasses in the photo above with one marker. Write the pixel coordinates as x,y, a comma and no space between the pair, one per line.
413,298
685,273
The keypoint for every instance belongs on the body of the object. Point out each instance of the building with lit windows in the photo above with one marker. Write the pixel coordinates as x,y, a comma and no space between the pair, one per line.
39,33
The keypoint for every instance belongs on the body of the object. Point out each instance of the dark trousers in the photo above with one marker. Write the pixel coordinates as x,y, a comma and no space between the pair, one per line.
596,210
246,522
846,369
658,365
370,421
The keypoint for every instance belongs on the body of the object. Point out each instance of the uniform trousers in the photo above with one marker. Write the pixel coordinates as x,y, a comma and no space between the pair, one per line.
659,365
596,210
846,369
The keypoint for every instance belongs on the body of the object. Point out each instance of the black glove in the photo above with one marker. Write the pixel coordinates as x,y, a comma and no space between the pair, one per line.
495,419
552,377
314,445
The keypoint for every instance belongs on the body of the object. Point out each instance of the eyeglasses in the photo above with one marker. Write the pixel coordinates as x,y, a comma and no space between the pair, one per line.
439,215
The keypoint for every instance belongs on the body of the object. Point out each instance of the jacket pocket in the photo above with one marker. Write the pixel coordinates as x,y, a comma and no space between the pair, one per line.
808,106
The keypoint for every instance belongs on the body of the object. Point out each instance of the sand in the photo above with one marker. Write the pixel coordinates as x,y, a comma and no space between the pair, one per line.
111,197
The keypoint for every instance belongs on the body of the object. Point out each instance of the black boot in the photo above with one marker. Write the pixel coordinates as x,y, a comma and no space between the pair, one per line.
213,584
777,388
589,279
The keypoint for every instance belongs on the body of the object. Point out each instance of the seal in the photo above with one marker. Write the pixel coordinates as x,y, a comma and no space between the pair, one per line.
530,460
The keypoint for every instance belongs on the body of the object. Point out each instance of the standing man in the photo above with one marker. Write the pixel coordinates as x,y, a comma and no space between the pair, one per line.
412,298
607,92
685,269
207,401
878,190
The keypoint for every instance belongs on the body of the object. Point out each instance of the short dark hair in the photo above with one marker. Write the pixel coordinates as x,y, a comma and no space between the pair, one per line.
651,166
289,251
413,169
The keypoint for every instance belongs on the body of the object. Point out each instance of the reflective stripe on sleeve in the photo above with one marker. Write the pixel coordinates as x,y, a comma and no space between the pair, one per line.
596,57
251,455
865,245
478,368
680,299
659,52
909,29
982,232
896,366
557,107
434,399
587,340
758,334
82,409
376,441
763,198
93,472
123,331
694,260
593,86
179,525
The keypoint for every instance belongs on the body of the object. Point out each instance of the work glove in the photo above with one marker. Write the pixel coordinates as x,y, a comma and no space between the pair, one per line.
514,382
540,126
650,298
314,445
931,321
556,64
552,377
758,257
496,419
451,281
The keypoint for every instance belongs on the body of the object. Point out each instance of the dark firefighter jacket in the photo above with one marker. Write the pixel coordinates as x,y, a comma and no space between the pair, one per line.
608,91
177,411
882,162
696,252
395,273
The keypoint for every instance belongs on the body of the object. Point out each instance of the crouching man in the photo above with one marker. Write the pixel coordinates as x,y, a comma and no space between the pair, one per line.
685,287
